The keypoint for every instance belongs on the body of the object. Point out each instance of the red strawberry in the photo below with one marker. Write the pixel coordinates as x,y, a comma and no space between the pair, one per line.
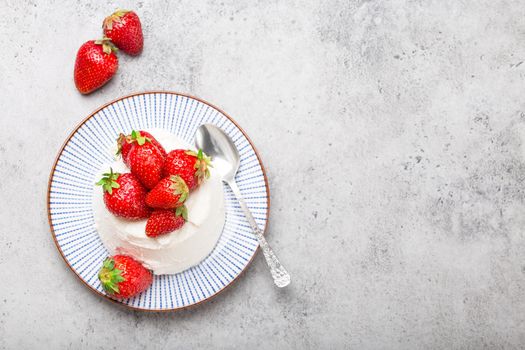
170,192
124,277
146,161
124,195
124,29
95,65
163,221
126,142
191,166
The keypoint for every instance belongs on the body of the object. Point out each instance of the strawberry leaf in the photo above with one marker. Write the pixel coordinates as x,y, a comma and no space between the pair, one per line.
109,181
107,45
183,197
115,17
179,187
136,136
182,211
120,12
201,164
110,277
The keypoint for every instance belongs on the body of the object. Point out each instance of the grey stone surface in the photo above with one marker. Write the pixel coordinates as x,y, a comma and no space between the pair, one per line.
393,133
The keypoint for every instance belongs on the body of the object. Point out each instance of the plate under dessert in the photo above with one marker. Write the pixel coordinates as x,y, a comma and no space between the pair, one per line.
71,197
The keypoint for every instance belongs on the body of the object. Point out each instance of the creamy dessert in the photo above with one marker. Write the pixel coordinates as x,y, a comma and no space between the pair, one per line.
178,250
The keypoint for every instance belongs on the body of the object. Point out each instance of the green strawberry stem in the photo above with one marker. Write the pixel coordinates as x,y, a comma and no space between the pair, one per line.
120,12
136,136
115,17
182,211
110,277
109,181
107,45
121,139
202,164
179,187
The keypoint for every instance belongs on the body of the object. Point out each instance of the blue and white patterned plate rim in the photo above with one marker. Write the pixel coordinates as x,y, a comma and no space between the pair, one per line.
81,124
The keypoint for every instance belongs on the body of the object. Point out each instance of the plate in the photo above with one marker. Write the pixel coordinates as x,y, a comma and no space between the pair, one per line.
70,197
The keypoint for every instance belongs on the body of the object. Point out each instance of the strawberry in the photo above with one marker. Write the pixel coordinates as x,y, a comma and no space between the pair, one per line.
124,195
145,160
126,142
95,65
163,221
191,166
124,29
122,276
170,192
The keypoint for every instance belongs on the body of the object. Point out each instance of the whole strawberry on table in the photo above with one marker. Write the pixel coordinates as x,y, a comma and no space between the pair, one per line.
123,27
95,65
96,61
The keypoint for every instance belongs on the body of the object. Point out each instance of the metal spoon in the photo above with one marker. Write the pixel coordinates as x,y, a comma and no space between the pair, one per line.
216,144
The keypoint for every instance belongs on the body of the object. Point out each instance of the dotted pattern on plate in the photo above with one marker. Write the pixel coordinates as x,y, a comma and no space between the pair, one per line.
71,197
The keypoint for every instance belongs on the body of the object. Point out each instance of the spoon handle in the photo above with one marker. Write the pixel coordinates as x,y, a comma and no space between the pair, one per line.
280,276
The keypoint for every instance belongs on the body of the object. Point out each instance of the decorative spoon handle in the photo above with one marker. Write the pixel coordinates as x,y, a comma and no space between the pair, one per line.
280,276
